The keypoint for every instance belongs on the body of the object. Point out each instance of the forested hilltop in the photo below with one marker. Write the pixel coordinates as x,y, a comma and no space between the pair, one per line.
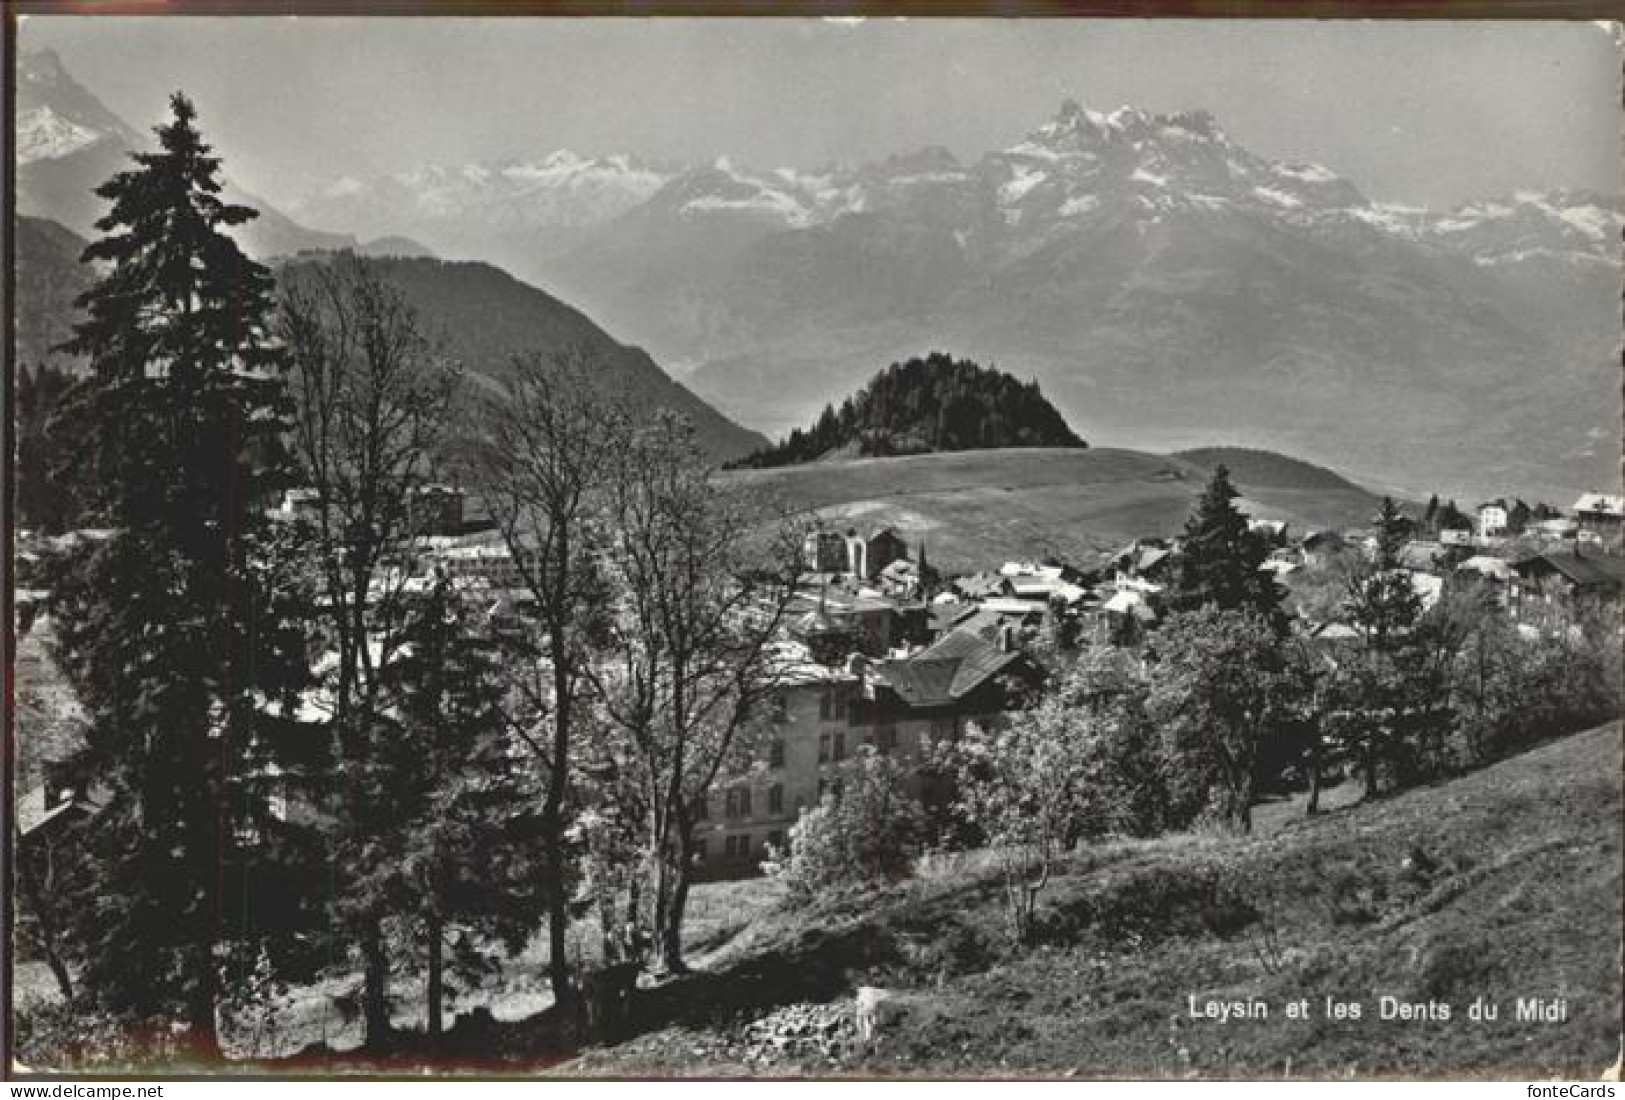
937,403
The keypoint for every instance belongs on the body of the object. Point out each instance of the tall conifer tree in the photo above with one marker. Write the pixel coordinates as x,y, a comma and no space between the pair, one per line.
169,627
1220,562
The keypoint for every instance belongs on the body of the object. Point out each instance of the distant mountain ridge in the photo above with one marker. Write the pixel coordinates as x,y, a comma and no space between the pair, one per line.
1155,276
69,143
923,406
486,317
49,279
482,315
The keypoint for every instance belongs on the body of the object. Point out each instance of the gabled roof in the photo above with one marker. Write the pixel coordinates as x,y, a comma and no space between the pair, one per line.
817,622
1336,631
982,584
1600,503
1150,558
1420,555
1496,568
35,809
947,671
979,621
1129,602
1590,571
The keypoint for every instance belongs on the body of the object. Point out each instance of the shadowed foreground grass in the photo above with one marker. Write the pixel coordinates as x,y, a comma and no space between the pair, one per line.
1502,885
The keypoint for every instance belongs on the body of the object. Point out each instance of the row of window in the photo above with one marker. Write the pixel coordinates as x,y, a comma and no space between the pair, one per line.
736,803
831,750
832,746
738,845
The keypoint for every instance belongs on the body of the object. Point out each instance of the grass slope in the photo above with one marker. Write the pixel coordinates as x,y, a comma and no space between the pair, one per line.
976,508
1267,469
1502,884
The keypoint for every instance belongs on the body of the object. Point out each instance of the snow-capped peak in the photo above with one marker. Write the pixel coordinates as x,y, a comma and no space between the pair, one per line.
42,134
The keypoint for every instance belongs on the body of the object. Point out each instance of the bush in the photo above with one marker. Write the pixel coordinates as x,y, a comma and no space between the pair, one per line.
868,834
67,1036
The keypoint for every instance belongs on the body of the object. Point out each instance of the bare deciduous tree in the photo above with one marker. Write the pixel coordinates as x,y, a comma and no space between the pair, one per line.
705,574
542,455
372,402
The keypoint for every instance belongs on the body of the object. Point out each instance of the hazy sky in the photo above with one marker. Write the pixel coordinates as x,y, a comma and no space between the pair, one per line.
1421,112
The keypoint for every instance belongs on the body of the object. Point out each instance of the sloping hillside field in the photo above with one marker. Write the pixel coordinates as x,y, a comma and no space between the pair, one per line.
1355,944
976,508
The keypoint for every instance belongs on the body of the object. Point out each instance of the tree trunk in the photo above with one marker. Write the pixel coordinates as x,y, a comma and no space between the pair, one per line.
437,981
558,909
674,929
375,988
558,901
206,848
203,1035
1314,780
59,971
671,898
1371,765
38,898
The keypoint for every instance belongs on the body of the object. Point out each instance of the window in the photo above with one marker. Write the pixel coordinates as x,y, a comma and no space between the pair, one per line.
832,703
736,803
823,748
888,739
737,847
775,754
837,788
840,747
775,799
702,809
776,838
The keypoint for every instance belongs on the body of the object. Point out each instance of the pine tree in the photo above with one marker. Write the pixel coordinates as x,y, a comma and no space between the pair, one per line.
930,579
1518,517
1383,602
1377,689
451,858
48,488
170,628
1221,559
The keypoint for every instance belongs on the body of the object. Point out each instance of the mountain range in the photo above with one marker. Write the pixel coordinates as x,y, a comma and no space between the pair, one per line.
69,143
1165,285
1162,282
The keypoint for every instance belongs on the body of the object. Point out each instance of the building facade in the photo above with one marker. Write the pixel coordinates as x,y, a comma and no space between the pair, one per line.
824,714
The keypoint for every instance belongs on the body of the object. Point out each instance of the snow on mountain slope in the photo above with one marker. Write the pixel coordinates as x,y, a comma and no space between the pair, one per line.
69,143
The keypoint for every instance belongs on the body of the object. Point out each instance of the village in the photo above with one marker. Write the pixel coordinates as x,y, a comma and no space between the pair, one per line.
877,649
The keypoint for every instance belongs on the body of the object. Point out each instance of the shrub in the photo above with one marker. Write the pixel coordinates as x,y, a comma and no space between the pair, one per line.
866,835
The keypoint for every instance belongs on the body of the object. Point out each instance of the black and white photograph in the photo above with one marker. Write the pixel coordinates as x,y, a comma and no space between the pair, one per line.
863,548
